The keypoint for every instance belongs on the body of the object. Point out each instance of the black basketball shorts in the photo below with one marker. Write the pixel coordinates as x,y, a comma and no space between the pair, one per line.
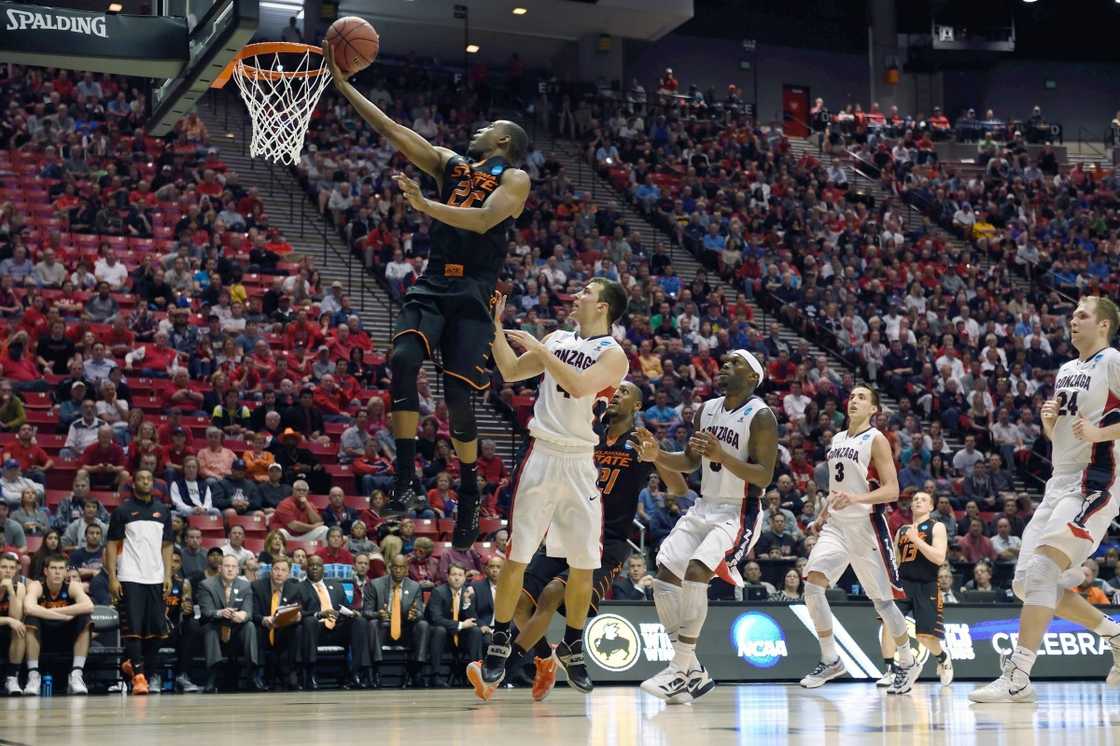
923,602
142,611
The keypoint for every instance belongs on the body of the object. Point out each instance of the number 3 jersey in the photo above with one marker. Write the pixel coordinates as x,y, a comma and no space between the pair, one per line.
558,417
1089,389
850,470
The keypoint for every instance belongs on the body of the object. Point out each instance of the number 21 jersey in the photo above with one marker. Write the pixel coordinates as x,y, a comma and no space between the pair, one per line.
1089,389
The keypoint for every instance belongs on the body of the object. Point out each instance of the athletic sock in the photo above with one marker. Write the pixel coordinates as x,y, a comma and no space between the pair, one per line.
828,650
1023,659
684,655
572,635
542,649
79,662
32,665
501,628
1108,628
406,462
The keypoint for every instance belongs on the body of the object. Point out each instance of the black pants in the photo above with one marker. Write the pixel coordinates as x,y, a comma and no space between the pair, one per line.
186,638
348,632
242,643
468,648
279,656
414,635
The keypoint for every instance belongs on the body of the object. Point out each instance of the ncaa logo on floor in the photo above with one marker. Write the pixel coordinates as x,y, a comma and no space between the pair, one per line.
612,642
758,639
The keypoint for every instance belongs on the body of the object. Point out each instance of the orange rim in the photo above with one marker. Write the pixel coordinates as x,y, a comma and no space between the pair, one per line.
268,47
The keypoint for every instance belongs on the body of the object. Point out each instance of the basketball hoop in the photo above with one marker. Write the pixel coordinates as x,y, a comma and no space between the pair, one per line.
281,83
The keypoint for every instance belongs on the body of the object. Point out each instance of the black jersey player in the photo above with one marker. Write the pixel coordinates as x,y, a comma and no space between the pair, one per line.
920,548
622,476
448,308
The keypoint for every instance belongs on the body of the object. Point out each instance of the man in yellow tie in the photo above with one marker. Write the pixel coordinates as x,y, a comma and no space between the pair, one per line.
394,606
279,645
328,620
451,610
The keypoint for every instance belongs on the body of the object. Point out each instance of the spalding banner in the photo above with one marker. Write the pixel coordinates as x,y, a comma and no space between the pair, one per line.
99,42
776,642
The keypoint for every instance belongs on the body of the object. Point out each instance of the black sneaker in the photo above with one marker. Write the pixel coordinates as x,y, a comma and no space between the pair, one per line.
571,659
494,664
466,522
403,501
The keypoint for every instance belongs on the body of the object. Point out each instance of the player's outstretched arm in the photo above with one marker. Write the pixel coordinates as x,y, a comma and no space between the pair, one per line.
507,201
423,154
604,373
674,482
512,366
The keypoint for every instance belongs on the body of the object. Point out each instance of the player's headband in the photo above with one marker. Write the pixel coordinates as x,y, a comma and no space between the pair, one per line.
753,362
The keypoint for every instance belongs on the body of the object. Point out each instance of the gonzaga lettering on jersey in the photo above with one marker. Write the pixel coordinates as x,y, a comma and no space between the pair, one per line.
1087,389
559,417
850,469
733,430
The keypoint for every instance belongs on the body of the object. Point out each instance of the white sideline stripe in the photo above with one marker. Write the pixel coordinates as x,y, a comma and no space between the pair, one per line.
855,660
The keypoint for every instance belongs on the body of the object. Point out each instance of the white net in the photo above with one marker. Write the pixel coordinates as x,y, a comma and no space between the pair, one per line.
281,91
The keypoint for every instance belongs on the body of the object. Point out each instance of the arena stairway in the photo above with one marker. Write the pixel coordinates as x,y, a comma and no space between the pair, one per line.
290,209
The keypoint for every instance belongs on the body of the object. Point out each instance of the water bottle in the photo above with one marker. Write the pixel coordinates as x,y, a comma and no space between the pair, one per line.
47,689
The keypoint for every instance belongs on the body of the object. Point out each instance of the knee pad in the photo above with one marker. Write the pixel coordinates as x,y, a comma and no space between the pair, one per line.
457,395
892,617
817,604
1071,578
405,362
1041,583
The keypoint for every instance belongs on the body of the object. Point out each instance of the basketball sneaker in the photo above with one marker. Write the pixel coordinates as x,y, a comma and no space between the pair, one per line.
699,684
545,677
887,678
139,685
670,685
1013,685
904,678
945,671
486,675
1113,678
403,501
11,686
77,683
466,521
823,673
571,660
33,684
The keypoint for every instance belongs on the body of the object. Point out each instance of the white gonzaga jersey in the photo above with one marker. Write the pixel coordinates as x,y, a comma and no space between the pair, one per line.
1089,389
558,417
733,430
850,470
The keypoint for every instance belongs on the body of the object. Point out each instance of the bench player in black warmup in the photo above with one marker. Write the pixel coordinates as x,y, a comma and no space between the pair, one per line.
622,475
449,306
920,548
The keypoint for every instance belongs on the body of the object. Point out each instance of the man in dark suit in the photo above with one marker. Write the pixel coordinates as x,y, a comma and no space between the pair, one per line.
452,619
328,620
278,647
226,601
636,585
483,592
394,604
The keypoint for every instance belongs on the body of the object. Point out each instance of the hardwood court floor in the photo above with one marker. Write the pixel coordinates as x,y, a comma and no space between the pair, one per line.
841,714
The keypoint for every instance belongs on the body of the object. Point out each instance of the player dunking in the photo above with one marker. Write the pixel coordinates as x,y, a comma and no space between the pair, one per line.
554,490
622,475
862,479
735,443
449,306
920,548
1083,423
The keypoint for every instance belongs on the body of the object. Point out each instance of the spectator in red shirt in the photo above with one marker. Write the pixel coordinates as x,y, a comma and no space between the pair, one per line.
330,399
441,498
422,566
902,514
296,518
33,460
335,552
974,545
781,370
19,364
105,461
490,465
175,422
178,393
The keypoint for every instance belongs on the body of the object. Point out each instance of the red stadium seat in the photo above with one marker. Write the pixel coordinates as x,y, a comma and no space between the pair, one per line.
253,524
207,523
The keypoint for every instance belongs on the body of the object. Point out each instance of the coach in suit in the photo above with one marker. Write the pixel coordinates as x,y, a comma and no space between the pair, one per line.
394,606
226,602
483,596
328,620
452,620
278,647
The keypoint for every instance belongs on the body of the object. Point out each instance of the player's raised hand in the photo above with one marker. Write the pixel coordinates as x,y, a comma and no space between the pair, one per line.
524,340
411,191
336,71
499,310
1083,431
911,534
706,445
645,444
1049,412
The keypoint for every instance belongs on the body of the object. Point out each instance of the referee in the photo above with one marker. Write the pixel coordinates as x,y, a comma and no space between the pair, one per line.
138,562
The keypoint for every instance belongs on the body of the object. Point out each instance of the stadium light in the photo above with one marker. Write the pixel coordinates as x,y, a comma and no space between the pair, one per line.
523,11
114,8
472,49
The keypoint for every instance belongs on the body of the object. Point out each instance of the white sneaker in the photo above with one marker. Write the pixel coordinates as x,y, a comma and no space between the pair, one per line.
823,673
887,678
1012,686
155,684
185,685
33,684
11,686
670,684
904,678
1113,678
945,671
77,683
699,683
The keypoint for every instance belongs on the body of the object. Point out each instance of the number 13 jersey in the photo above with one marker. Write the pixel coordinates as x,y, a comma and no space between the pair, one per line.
1089,389
850,470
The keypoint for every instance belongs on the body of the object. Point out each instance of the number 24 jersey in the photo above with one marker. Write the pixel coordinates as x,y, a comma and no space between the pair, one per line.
1089,389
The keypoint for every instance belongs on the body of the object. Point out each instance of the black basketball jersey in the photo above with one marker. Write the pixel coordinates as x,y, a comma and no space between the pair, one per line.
173,601
912,564
621,477
462,253
58,600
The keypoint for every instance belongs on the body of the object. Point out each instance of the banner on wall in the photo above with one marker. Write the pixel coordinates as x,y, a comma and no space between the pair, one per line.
626,643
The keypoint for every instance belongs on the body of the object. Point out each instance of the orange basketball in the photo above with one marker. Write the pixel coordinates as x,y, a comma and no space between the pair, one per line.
354,43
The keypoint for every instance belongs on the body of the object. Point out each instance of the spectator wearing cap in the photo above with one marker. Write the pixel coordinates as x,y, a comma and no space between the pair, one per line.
174,422
105,460
190,493
236,494
296,518
33,460
13,483
274,490
332,300
70,409
83,431
215,461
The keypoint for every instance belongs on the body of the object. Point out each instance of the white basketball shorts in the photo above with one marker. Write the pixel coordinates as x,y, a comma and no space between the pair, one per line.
718,535
866,546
